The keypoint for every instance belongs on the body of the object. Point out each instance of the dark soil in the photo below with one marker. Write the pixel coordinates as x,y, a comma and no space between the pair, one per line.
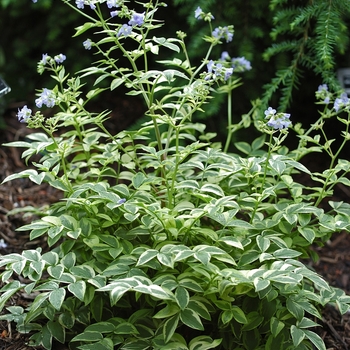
334,262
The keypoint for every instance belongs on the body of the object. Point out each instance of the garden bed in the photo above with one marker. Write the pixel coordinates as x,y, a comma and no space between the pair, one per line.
334,262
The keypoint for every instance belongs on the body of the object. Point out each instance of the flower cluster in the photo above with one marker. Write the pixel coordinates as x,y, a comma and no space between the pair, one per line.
342,101
48,60
199,14
322,93
60,58
137,19
81,3
277,121
239,64
217,71
223,33
24,114
47,97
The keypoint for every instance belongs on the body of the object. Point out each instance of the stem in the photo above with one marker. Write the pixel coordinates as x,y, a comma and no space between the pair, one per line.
229,121
331,166
263,180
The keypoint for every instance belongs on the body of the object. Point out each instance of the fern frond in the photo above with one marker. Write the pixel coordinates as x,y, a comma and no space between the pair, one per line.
285,46
306,14
326,33
275,3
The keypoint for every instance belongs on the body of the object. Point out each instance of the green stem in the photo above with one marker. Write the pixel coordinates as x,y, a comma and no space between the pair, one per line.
263,180
229,121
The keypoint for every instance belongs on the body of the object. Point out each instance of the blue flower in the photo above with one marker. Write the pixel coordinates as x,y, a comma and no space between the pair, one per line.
112,3
87,44
241,64
47,97
342,101
223,33
44,58
210,66
322,93
322,88
228,72
225,56
217,71
80,4
270,112
35,1
137,19
60,58
24,114
114,13
125,30
198,12
277,121
92,6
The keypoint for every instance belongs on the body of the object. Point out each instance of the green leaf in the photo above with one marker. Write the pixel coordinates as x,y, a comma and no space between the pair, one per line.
226,316
315,339
261,284
263,243
146,256
104,344
51,258
69,260
307,323
199,308
83,271
88,336
204,342
308,233
190,284
258,142
138,179
153,290
55,271
231,241
298,335
276,326
295,309
165,42
239,315
277,165
57,331
46,337
78,289
169,327
203,257
212,188
191,319
244,147
116,82
125,328
101,327
83,28
66,319
285,253
56,298
165,259
32,255
118,291
182,297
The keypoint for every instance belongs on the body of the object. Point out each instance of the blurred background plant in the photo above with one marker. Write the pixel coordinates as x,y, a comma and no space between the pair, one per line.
293,46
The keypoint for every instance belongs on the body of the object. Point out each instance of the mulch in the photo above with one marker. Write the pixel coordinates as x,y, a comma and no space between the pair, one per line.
333,264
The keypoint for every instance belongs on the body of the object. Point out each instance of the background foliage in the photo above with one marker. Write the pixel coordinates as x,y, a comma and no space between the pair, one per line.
291,44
